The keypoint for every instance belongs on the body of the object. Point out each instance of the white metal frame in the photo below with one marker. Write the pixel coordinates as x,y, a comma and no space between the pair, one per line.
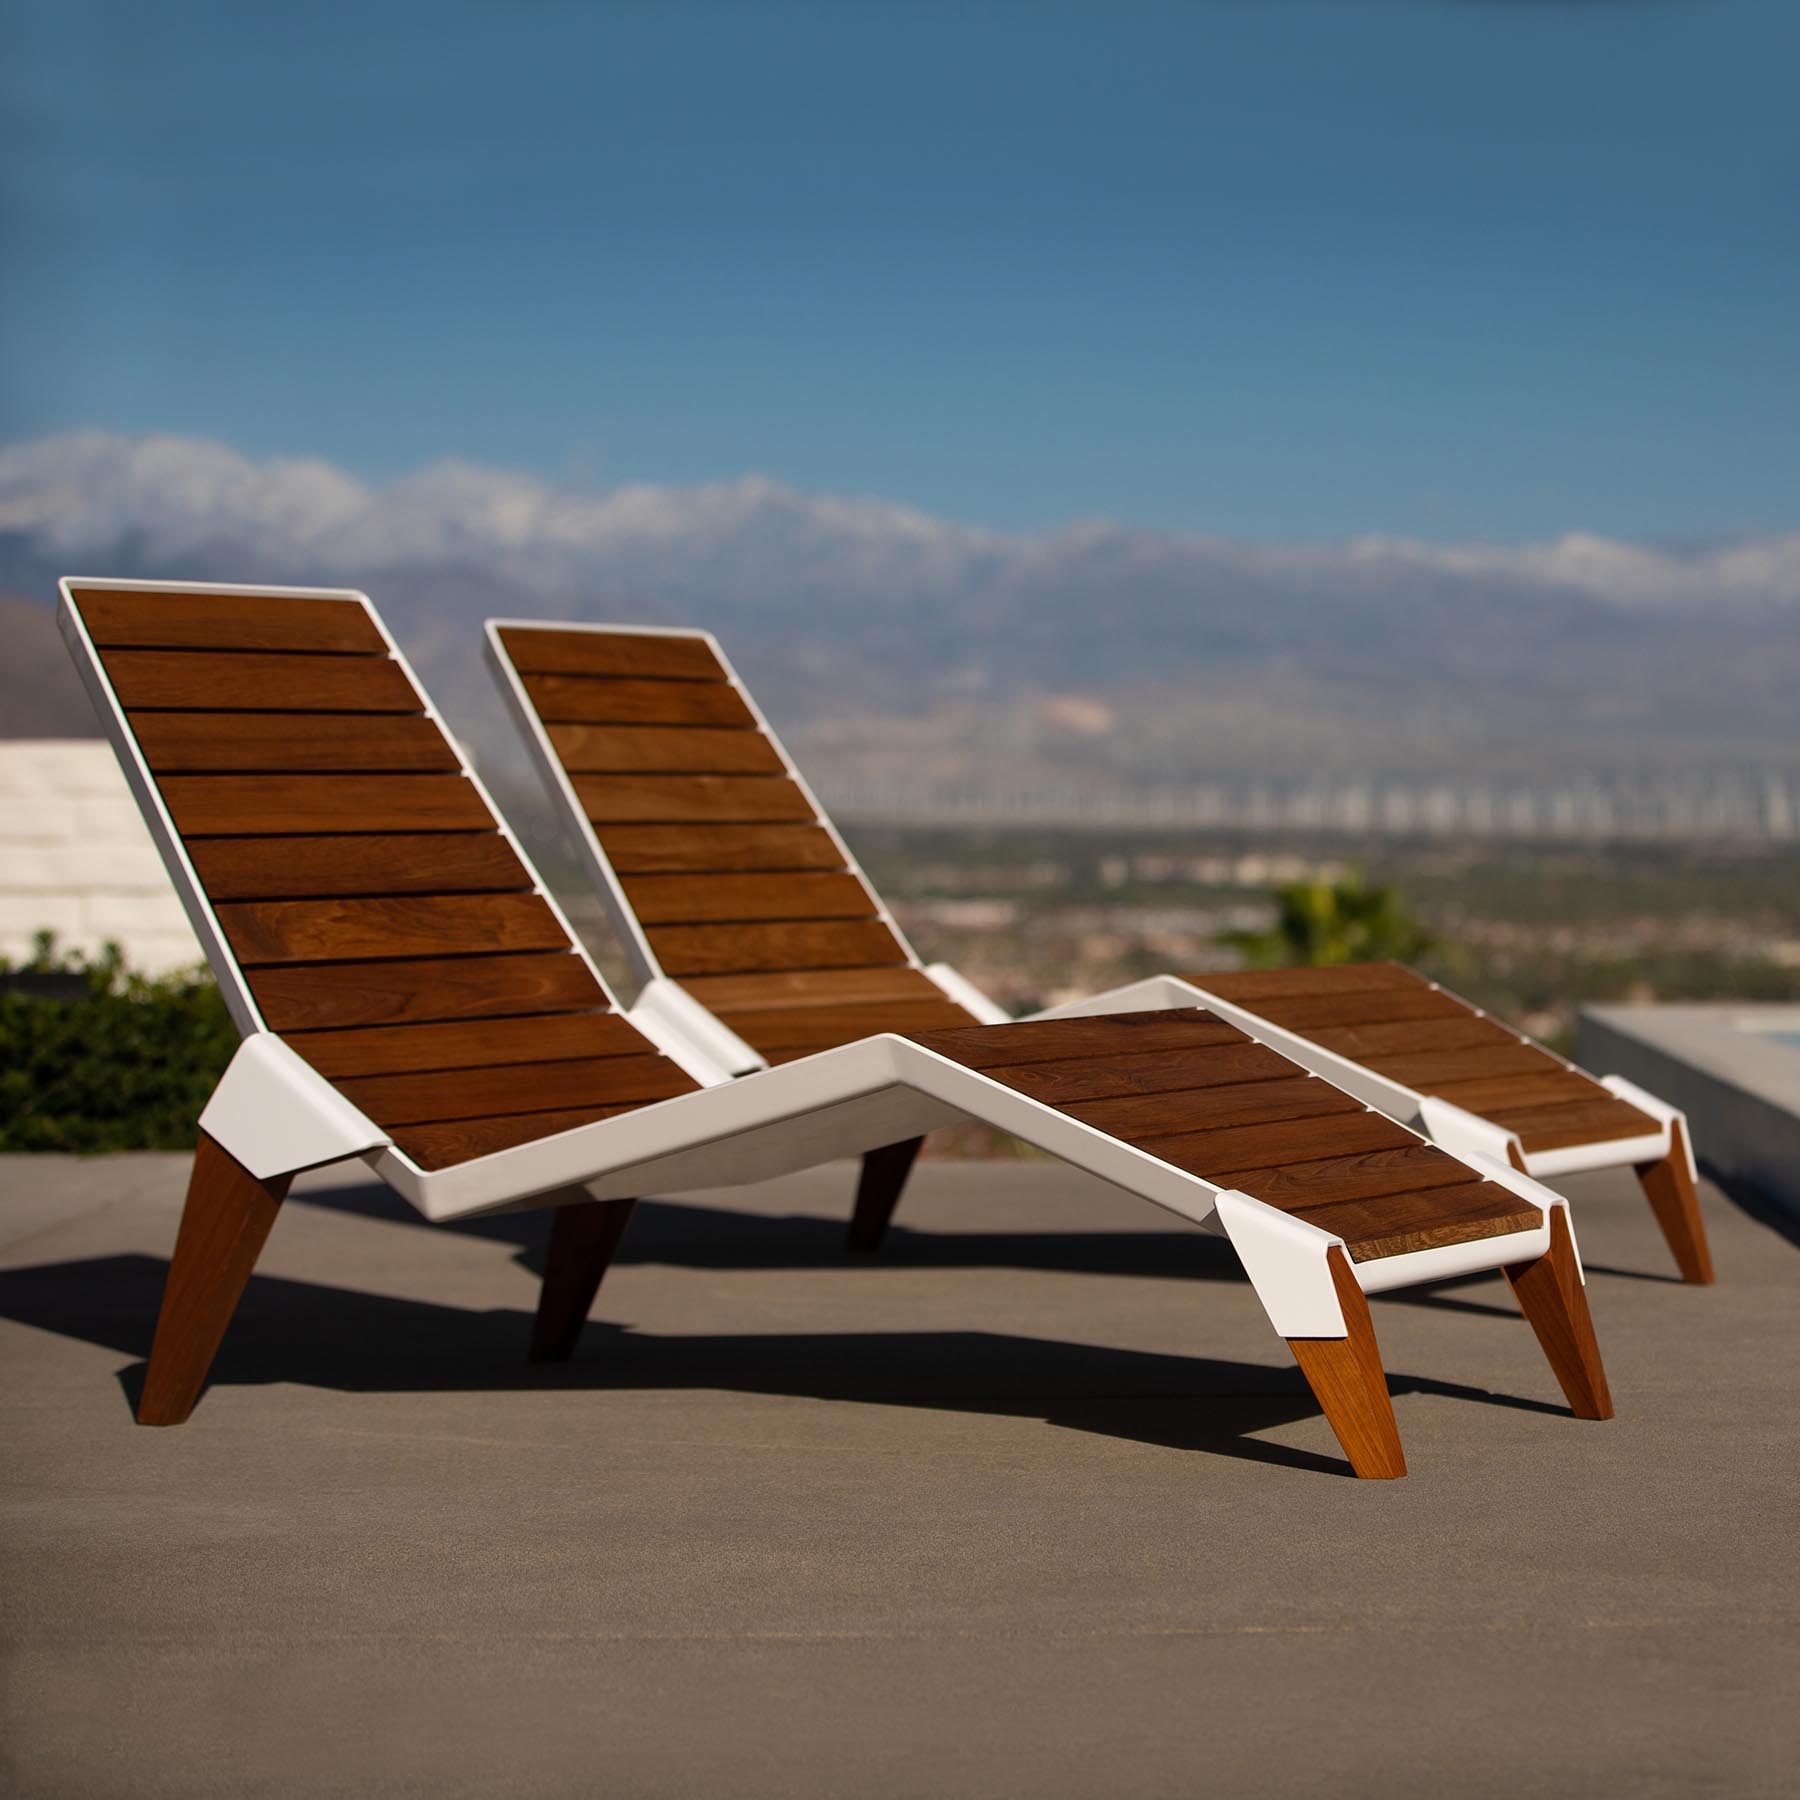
276,1115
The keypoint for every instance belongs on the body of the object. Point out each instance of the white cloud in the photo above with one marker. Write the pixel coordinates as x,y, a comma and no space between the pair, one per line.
77,497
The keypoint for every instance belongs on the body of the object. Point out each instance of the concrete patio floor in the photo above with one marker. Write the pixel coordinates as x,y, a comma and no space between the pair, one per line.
1035,1504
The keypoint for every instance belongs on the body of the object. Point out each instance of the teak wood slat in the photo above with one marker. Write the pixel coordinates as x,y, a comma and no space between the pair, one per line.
590,700
443,1095
333,996
808,1028
458,1140
1555,1087
695,899
737,997
666,656
256,681
313,867
1553,1127
1397,1224
653,750
232,805
1139,1116
719,849
1488,1063
1221,1149
466,1044
1061,1081
801,944
118,618
994,1046
1381,1005
283,931
692,799
1398,1037
1247,986
177,743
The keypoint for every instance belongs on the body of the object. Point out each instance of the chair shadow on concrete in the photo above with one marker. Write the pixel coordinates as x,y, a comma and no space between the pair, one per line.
339,1339
686,1234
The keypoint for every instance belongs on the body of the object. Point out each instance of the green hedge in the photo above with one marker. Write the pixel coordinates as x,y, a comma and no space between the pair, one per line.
125,1064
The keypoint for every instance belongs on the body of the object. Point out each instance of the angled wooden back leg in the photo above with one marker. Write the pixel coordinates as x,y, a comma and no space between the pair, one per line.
224,1225
884,1174
1670,1190
1348,1381
583,1237
1551,1296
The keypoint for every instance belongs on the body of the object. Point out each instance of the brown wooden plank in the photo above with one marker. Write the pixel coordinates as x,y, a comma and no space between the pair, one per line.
467,1044
174,742
670,656
805,1029
659,750
514,1087
590,700
118,617
1396,1224
281,931
1557,1127
680,799
1247,986
258,681
1428,1069
1292,1186
697,899
1047,1040
330,996
240,805
297,868
1403,1035
1134,1116
801,944
738,996
1368,1006
718,849
1273,1145
1562,1087
1156,1072
462,1140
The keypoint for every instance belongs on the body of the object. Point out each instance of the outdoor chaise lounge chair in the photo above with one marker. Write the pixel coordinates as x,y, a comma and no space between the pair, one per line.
728,885
411,997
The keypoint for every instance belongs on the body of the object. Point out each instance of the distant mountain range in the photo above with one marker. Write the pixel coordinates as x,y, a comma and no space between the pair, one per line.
899,646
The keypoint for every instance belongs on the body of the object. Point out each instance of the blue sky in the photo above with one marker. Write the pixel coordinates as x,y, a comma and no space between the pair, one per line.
1286,269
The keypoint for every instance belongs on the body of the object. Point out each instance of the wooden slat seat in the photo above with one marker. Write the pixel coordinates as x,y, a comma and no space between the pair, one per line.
1191,1086
382,922
1397,1023
730,872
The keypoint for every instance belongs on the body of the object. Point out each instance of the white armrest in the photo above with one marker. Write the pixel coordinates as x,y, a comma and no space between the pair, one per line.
1285,1260
1667,1116
1457,1130
676,1023
276,1114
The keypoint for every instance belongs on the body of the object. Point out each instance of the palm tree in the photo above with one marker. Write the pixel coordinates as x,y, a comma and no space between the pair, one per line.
1332,922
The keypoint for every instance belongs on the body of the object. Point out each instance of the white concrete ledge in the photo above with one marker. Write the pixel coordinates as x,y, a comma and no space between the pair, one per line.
1725,1068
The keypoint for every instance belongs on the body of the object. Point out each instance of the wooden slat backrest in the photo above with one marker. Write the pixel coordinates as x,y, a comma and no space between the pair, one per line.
723,865
1395,1022
1193,1090
369,907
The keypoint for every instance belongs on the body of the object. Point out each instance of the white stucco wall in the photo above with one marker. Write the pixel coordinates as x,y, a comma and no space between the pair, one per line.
75,858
